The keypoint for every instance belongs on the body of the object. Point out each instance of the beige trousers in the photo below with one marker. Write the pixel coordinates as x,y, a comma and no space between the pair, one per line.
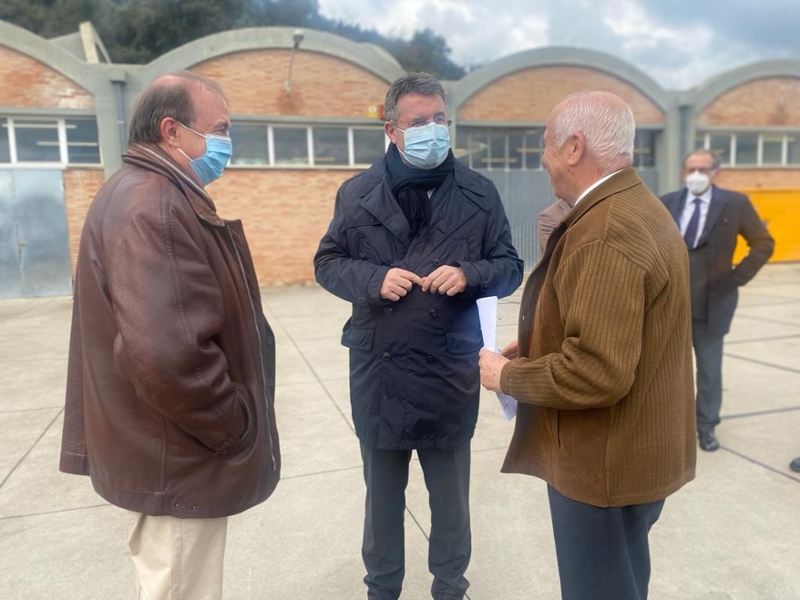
178,559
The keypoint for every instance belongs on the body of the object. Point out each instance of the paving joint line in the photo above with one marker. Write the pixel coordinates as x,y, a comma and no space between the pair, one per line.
24,456
760,464
316,375
761,362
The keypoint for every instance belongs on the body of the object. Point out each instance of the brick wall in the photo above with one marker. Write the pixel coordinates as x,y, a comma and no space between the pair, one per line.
322,85
530,95
29,83
284,213
773,102
737,179
80,188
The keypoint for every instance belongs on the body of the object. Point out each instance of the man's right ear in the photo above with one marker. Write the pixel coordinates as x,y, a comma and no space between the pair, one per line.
169,131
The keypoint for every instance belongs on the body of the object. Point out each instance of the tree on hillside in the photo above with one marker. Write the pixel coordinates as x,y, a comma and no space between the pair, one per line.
138,31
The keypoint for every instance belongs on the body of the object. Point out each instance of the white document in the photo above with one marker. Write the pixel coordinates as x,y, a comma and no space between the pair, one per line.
487,312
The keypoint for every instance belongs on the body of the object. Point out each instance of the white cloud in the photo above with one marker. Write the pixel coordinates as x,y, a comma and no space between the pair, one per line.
678,51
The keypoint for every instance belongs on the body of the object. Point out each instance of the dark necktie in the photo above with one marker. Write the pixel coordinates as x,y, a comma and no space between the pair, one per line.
691,229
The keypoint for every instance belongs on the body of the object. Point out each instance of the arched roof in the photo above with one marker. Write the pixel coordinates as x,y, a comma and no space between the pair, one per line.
463,89
53,56
711,89
370,57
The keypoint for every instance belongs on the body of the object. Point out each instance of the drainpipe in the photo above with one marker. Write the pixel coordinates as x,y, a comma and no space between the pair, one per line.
119,79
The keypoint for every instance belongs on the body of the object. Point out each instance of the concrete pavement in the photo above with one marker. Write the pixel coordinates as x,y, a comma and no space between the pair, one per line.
733,533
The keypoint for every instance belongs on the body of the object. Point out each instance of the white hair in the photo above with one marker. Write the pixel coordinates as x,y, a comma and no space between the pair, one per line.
606,123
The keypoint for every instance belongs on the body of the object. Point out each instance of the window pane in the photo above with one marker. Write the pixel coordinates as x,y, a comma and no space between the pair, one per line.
497,144
479,149
644,149
772,152
368,145
746,149
5,153
37,141
516,150
82,145
533,149
793,150
700,141
461,145
250,145
721,146
291,145
330,146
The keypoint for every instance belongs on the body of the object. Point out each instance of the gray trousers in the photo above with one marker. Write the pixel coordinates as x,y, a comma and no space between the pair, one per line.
446,475
708,355
603,553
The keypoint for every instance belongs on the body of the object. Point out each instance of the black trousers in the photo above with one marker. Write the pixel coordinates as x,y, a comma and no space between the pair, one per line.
708,356
603,553
450,544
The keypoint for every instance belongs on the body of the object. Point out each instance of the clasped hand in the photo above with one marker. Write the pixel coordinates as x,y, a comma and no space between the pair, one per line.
444,280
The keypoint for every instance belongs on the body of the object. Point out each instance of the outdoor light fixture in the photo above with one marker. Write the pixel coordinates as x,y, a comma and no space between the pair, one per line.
297,38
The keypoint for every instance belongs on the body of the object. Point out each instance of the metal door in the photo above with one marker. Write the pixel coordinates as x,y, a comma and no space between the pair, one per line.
34,243
527,193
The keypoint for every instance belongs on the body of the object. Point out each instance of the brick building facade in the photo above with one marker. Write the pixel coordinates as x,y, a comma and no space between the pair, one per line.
306,119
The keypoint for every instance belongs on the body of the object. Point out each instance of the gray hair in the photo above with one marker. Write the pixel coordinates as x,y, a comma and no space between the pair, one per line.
167,96
424,84
606,123
699,152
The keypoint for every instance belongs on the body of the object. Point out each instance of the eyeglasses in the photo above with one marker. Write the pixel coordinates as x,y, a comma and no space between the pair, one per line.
704,171
422,122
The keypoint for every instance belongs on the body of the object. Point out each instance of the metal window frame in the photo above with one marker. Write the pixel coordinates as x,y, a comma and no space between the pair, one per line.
63,145
760,133
311,164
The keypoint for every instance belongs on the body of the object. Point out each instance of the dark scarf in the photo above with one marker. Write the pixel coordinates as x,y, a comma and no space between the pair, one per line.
410,186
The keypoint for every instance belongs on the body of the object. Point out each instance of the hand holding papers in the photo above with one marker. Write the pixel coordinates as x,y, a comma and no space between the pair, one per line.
487,312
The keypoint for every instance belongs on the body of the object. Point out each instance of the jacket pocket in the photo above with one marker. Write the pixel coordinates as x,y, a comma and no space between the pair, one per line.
464,342
358,338
250,424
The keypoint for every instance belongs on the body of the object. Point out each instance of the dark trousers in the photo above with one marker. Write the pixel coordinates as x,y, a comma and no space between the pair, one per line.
450,544
603,553
708,356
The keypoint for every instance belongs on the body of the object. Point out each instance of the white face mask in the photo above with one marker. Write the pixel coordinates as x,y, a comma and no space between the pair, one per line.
697,182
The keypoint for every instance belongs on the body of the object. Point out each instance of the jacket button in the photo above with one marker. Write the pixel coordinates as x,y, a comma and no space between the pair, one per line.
386,356
437,262
433,312
177,505
194,506
388,310
431,360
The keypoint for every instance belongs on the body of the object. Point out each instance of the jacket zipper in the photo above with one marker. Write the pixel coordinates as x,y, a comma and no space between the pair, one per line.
260,353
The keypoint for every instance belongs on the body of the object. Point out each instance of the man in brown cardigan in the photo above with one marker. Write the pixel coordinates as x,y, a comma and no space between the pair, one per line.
602,368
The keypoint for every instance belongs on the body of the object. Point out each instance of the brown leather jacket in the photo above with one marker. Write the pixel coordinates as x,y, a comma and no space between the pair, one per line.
170,388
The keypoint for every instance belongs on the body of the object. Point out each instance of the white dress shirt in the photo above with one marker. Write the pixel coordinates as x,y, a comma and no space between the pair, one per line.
688,209
594,185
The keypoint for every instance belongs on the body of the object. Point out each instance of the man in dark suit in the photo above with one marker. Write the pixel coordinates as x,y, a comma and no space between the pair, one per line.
710,219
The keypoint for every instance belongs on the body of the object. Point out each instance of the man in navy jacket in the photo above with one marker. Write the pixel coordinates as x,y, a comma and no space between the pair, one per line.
710,220
414,242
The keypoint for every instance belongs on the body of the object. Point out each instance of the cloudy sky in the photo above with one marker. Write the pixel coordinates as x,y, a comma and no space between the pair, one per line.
679,43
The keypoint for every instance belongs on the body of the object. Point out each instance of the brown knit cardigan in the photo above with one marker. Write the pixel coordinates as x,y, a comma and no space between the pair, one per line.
604,377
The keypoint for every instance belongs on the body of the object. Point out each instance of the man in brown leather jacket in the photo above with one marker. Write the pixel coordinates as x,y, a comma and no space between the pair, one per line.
169,404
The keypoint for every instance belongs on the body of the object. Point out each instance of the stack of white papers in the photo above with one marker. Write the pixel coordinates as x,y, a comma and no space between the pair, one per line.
487,311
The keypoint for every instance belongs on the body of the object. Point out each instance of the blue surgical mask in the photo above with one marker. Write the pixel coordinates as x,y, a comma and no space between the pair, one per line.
426,146
218,152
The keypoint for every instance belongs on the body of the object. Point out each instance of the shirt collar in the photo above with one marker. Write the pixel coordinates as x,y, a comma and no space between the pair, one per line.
594,185
705,196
